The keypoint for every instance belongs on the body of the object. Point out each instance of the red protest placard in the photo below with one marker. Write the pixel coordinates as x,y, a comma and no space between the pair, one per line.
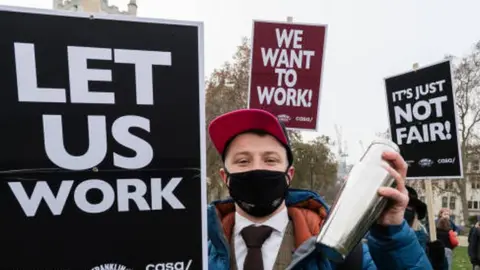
285,72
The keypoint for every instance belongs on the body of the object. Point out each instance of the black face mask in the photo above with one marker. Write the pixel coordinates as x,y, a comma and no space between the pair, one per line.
409,216
259,192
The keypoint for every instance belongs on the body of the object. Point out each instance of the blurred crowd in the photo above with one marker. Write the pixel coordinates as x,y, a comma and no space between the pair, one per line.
441,251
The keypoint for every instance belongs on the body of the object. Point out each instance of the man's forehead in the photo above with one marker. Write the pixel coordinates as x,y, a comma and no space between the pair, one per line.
249,143
257,151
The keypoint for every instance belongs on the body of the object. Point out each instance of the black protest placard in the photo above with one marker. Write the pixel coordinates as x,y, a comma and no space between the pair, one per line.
421,106
102,142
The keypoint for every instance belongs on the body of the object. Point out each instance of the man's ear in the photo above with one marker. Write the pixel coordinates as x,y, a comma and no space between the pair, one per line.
291,173
223,175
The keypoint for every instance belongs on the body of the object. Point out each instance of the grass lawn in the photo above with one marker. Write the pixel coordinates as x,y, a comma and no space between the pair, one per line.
460,259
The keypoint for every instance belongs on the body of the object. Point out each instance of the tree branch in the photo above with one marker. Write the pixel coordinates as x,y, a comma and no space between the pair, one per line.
475,121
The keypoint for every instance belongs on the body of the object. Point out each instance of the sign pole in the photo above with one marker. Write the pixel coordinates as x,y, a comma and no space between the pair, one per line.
431,217
429,199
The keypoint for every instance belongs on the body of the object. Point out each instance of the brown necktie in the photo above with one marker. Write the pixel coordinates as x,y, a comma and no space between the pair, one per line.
254,238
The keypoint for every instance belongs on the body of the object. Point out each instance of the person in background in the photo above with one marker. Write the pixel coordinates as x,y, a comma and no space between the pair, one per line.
415,212
445,213
268,225
473,245
448,237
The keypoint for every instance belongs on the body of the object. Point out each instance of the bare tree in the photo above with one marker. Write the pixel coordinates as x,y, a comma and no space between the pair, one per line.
315,164
466,83
384,135
226,90
466,76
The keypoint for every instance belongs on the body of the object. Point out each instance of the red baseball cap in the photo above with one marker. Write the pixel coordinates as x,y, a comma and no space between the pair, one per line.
225,127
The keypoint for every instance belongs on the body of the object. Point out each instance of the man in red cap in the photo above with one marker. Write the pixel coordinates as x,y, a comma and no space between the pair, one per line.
267,225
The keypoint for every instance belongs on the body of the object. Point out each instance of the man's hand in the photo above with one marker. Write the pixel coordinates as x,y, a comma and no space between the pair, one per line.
394,213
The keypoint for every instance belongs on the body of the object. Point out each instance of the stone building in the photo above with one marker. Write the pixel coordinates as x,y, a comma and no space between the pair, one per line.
94,6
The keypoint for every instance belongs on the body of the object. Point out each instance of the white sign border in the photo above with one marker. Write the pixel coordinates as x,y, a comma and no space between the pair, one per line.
202,118
460,161
322,71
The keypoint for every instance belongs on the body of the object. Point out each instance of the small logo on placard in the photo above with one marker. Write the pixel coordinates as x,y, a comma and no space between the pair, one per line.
410,162
111,266
179,265
446,161
425,162
303,119
284,117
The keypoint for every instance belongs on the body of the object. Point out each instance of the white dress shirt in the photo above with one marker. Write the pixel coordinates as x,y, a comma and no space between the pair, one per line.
271,246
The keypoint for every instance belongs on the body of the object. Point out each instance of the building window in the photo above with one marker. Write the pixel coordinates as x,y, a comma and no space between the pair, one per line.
452,202
448,185
476,165
444,202
475,205
475,180
470,204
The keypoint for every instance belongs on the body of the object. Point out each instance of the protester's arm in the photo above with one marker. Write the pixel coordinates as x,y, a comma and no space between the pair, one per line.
368,263
455,228
422,237
396,247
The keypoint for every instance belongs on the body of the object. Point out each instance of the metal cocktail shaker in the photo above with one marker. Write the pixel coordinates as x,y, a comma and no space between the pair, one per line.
358,204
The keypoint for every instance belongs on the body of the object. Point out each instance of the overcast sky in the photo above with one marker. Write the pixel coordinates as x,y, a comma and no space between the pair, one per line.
367,41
